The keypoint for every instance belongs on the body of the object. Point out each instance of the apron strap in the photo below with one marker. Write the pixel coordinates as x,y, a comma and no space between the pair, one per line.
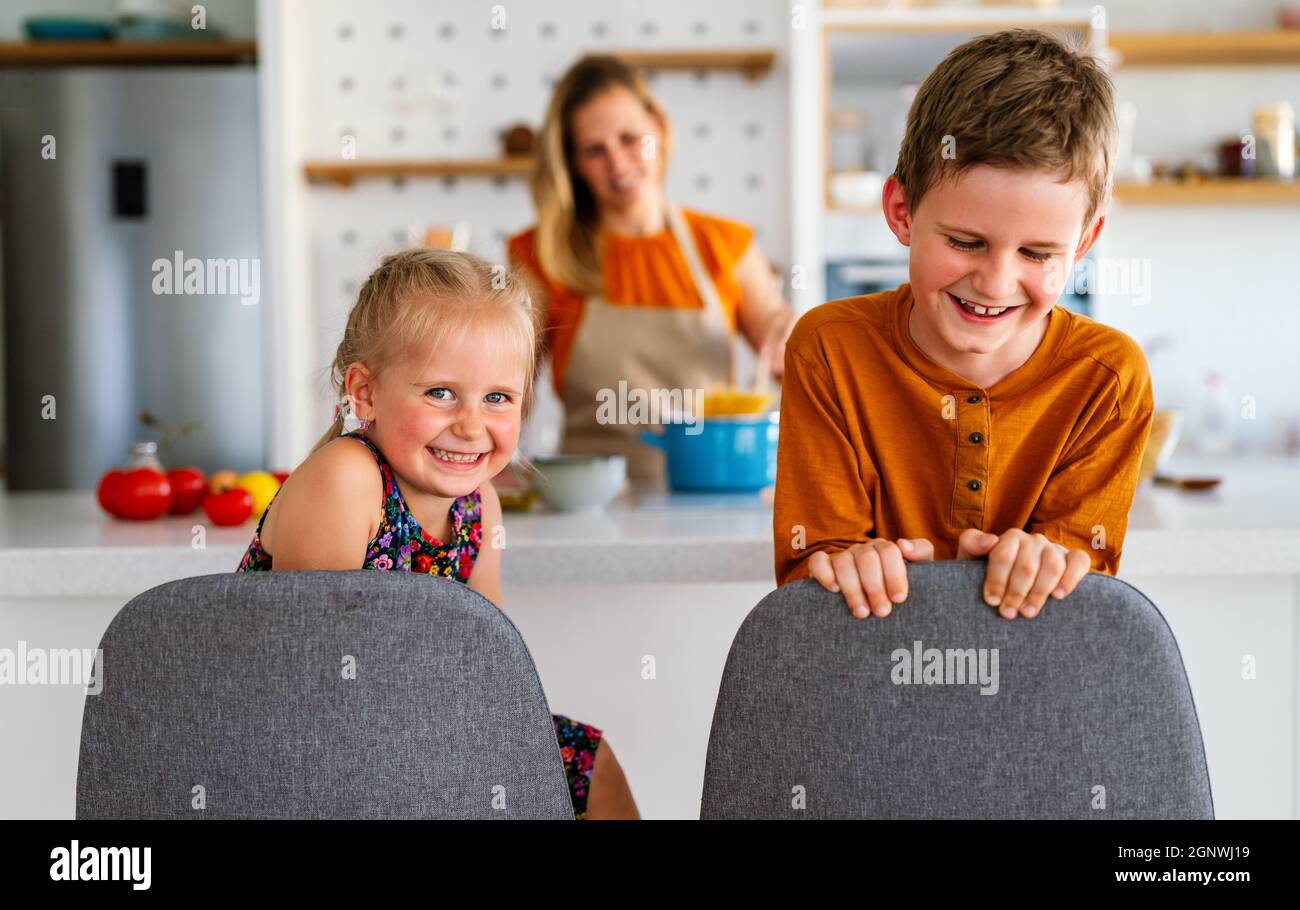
704,285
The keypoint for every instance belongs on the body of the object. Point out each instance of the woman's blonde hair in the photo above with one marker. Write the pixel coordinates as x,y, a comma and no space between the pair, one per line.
420,298
567,232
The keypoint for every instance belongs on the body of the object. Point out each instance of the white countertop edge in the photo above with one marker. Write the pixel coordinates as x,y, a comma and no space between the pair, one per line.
101,572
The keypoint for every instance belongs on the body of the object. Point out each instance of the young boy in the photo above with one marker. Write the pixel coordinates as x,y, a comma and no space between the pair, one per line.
964,415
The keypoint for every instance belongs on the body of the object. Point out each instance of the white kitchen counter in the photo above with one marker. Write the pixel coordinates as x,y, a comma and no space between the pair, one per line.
673,576
61,544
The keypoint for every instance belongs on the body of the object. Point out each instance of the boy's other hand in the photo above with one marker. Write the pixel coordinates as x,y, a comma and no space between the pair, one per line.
1023,569
872,574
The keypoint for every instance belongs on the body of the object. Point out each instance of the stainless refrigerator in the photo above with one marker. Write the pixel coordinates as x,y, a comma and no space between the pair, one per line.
105,173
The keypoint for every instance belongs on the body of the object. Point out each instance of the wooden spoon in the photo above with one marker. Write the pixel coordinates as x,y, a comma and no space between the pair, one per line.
1188,483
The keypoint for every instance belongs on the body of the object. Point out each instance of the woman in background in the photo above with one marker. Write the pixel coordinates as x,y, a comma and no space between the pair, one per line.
634,289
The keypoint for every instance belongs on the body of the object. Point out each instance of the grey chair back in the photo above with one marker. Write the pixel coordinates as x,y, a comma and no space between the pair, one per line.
359,694
946,710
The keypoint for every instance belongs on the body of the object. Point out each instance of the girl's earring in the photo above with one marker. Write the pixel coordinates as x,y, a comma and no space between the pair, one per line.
365,424
350,421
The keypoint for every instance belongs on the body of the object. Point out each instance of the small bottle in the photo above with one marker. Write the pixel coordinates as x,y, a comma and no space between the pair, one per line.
144,455
1217,417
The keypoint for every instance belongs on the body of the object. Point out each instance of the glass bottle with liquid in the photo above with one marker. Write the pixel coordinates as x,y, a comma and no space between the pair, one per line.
1218,417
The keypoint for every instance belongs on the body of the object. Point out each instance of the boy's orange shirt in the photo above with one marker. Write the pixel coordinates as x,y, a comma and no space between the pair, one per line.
879,441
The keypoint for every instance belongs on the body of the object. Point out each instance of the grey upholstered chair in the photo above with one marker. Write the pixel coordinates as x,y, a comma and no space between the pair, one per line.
236,692
1088,715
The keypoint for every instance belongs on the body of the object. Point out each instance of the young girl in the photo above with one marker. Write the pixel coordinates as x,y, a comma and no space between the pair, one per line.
437,363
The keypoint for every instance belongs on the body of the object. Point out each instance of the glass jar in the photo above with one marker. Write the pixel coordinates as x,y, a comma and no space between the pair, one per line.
1274,127
850,148
144,455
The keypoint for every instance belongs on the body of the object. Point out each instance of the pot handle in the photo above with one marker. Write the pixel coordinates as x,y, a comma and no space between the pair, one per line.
652,439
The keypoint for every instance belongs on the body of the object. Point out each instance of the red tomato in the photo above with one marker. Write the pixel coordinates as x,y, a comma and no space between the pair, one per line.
189,488
281,476
143,494
229,508
107,491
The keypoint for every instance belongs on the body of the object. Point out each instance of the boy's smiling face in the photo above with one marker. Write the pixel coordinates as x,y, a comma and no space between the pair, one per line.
996,238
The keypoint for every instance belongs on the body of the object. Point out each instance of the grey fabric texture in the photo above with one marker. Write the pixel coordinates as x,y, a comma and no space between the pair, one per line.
235,684
1092,716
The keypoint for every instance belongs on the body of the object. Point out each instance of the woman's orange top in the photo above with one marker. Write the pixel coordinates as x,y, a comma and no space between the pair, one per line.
879,441
640,271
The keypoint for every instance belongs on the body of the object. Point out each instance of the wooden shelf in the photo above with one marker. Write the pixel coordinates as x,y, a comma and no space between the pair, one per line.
1234,190
1262,48
345,173
126,53
752,63
960,20
850,209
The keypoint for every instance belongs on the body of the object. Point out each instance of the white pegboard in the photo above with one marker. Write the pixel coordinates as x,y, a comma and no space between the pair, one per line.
419,80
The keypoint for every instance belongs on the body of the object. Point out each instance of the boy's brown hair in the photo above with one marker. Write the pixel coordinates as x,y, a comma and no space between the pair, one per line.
1019,99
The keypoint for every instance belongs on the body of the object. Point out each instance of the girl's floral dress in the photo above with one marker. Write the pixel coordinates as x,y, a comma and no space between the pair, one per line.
401,545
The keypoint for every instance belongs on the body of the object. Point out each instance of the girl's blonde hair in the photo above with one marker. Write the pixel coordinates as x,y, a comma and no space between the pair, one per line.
420,298
566,209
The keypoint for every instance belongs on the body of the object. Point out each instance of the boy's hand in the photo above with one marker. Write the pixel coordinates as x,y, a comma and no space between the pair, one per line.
1023,569
870,574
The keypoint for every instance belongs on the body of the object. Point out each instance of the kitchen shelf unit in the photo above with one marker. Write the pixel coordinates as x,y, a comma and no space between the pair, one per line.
346,173
126,53
1276,47
1210,191
1203,191
752,63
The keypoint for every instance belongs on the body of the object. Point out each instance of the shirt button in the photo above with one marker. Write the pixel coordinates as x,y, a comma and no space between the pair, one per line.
974,399
973,485
976,438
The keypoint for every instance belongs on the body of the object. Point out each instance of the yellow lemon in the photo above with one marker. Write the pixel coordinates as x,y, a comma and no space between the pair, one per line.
261,486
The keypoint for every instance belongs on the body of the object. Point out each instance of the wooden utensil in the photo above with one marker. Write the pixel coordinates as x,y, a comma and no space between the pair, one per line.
1188,483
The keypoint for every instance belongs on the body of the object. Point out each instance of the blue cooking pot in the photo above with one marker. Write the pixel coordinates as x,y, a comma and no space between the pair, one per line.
732,454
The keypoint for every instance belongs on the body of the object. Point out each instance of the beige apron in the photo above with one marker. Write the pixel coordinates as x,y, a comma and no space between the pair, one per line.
646,347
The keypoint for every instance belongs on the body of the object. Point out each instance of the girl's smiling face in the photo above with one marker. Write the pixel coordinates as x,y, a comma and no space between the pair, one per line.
449,421
996,238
